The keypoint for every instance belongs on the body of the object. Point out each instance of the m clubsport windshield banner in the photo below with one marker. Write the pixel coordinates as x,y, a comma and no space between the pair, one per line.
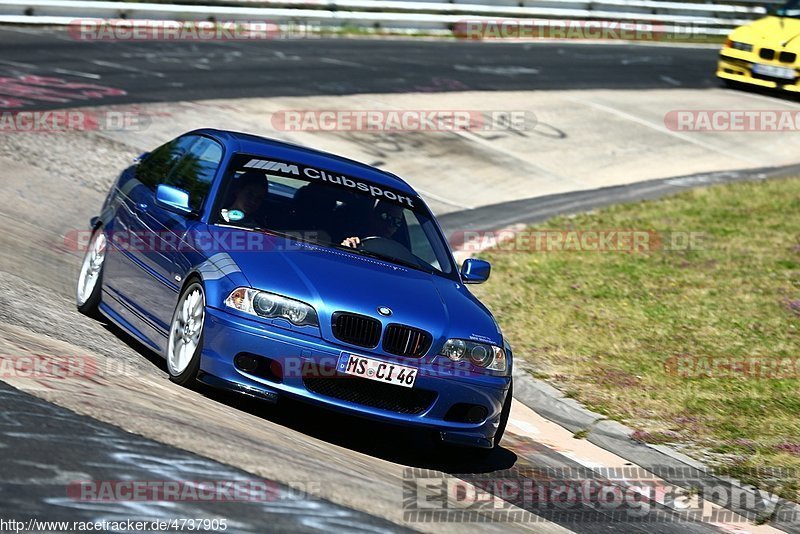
300,171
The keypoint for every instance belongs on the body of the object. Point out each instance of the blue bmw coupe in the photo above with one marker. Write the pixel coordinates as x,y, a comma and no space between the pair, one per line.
272,269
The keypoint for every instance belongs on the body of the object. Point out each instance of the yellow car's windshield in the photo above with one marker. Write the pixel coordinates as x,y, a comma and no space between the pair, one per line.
790,9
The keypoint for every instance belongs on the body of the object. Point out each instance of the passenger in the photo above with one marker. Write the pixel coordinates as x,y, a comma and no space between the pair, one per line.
384,221
248,193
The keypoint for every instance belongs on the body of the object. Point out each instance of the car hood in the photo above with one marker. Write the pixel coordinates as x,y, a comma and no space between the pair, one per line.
334,280
771,32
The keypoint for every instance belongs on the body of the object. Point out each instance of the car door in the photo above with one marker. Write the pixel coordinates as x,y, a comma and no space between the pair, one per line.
193,173
146,235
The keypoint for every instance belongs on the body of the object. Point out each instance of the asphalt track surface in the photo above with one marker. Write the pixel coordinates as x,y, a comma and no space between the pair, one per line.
150,71
163,72
36,470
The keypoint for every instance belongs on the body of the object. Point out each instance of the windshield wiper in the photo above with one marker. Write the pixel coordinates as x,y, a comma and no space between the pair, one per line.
240,227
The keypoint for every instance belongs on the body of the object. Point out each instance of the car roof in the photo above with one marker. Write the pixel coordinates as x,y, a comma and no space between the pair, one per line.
272,148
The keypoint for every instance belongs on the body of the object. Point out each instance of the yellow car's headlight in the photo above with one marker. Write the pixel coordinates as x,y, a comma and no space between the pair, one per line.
738,45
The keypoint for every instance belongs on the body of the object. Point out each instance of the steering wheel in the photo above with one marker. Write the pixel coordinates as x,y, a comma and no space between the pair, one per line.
389,248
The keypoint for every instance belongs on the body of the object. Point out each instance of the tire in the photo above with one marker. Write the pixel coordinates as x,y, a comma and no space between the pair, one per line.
90,280
479,454
731,84
185,341
504,413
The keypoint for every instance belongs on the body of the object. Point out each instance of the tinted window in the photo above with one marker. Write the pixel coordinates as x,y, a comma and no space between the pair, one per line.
791,9
156,167
195,171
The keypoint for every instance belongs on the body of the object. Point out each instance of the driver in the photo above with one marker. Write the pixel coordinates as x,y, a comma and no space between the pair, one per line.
384,220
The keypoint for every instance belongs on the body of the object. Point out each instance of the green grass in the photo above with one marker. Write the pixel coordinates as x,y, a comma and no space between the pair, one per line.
601,326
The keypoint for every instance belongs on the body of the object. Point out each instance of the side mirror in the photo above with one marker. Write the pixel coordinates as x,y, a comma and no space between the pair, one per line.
475,271
173,199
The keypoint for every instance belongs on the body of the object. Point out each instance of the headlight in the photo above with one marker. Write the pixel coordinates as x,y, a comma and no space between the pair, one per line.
738,45
271,305
479,354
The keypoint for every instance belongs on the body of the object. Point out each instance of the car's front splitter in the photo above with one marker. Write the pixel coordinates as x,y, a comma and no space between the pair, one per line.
740,71
227,335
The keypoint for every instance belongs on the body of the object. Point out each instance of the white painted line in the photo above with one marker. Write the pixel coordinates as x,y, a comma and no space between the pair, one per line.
341,62
78,73
671,81
508,71
635,60
127,68
17,64
662,129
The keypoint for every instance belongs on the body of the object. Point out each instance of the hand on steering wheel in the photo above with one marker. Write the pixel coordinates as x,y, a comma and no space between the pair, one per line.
352,242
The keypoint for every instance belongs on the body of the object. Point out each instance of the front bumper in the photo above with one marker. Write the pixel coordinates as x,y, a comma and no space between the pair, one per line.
737,66
298,355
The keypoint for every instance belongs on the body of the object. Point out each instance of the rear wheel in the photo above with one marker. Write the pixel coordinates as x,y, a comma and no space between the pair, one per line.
90,279
186,335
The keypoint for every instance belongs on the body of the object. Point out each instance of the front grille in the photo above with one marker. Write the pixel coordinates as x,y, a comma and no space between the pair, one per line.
767,53
787,57
356,329
406,341
392,398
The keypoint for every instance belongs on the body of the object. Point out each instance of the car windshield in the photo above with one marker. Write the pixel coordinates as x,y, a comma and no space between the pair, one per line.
331,209
790,9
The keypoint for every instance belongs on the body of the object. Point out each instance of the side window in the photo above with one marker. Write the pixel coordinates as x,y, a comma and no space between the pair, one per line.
195,171
155,168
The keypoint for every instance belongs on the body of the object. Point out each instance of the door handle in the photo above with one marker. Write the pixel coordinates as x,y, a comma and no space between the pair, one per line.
142,206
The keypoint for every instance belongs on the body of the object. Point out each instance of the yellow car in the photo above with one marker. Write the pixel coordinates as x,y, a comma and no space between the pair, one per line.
765,52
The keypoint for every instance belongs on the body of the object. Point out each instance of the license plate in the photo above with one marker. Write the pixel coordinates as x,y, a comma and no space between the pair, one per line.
775,72
389,373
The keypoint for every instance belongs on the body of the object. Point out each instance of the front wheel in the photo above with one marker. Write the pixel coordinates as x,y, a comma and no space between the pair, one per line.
476,454
90,279
186,335
504,413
